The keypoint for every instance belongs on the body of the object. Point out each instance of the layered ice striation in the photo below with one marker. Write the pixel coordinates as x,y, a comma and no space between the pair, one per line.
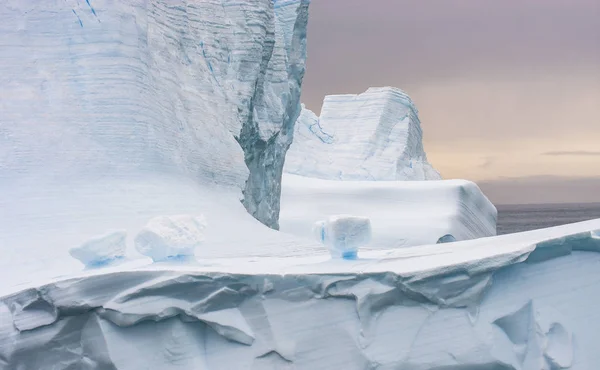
375,135
490,303
401,213
115,112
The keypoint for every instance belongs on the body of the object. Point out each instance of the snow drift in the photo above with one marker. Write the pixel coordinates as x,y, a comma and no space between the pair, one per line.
402,213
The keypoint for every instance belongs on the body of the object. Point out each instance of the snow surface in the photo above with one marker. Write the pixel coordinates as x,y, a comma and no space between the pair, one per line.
402,213
375,135
522,301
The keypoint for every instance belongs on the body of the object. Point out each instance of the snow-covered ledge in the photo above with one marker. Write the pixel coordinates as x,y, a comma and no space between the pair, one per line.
521,301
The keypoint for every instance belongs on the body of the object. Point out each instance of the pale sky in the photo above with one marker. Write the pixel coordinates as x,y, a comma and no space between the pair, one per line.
508,91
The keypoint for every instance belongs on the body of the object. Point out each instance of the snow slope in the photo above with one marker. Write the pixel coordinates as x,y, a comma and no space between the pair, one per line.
402,213
520,302
375,135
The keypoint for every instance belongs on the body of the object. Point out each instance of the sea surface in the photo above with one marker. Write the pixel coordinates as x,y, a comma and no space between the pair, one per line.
524,217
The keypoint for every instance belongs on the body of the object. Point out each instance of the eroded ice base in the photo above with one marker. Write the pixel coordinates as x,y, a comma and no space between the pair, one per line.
523,301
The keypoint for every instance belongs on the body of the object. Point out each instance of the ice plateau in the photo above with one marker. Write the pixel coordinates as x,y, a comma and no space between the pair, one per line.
375,135
128,118
401,213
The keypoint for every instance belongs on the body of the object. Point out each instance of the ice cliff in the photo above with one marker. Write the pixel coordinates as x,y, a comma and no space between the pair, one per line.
101,89
516,302
375,135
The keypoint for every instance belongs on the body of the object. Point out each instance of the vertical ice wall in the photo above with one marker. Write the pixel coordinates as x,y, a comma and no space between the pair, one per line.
273,108
375,135
101,89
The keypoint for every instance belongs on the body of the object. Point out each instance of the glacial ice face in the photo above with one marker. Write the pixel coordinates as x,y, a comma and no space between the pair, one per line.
375,135
480,304
96,89
273,108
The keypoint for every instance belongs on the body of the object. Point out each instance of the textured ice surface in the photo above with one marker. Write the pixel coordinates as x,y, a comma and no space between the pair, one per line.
375,135
102,249
490,303
169,237
343,234
402,213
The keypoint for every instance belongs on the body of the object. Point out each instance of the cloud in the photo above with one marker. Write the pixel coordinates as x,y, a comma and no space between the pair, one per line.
581,153
487,163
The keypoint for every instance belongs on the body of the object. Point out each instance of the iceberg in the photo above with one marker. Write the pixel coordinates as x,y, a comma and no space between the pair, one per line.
358,157
375,135
122,122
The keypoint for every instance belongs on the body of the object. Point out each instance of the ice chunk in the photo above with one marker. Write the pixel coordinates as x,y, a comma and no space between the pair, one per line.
448,238
101,250
402,213
343,234
171,237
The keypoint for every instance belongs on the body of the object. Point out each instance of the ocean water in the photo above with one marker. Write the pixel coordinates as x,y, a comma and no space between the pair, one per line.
524,217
